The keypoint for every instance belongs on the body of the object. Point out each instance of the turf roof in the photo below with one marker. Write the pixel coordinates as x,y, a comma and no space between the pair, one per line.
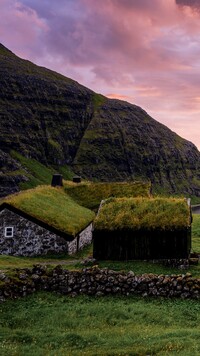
53,207
90,194
143,213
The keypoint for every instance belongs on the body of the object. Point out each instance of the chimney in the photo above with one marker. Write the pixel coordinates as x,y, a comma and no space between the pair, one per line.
57,180
77,179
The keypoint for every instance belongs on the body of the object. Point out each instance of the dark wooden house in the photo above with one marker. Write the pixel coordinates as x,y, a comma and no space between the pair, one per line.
142,229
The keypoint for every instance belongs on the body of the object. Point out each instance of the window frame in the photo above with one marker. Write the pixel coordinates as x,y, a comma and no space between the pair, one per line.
9,231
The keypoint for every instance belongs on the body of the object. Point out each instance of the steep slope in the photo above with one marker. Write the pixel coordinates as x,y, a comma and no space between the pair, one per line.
122,141
58,122
43,114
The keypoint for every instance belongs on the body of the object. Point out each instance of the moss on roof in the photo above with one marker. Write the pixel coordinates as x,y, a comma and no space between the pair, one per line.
143,213
90,194
53,207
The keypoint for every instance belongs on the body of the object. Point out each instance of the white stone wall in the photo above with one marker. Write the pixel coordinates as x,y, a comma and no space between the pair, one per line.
82,240
85,237
72,247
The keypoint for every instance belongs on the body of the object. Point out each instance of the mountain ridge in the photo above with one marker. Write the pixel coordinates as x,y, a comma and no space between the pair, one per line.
60,123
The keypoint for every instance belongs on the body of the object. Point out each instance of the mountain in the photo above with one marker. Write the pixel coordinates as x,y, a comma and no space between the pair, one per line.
50,120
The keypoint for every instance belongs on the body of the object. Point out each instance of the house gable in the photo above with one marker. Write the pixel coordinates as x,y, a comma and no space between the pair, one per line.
32,237
36,221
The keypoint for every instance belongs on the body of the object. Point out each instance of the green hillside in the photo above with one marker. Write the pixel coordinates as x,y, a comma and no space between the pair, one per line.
66,127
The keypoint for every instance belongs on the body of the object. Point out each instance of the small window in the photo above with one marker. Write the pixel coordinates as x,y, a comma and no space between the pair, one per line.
9,231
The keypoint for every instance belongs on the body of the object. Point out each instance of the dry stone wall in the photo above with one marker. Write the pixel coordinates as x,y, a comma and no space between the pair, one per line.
97,282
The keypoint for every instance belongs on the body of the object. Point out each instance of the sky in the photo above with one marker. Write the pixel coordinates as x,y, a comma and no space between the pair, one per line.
146,52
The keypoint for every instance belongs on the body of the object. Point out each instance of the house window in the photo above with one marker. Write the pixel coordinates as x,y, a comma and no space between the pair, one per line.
9,231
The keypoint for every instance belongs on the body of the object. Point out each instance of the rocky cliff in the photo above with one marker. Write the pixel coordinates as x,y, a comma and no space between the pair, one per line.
58,122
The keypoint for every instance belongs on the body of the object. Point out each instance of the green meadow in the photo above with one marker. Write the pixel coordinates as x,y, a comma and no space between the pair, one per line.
53,325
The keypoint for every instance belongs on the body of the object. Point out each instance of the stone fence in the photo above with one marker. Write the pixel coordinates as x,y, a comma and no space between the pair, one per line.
96,282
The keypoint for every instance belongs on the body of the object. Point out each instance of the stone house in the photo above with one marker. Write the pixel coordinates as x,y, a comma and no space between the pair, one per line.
21,234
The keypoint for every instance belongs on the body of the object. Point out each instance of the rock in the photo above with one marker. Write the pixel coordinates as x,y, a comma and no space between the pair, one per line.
194,261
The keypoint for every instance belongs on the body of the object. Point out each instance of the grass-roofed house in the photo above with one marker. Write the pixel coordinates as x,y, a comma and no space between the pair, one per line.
142,228
90,194
44,220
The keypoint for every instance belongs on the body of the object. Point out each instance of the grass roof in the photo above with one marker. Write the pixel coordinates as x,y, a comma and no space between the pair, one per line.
53,207
91,194
143,213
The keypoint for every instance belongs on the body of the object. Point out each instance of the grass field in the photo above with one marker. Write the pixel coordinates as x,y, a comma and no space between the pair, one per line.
47,324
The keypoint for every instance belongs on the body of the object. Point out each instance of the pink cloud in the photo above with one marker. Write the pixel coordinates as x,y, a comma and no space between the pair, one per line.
194,4
20,27
118,96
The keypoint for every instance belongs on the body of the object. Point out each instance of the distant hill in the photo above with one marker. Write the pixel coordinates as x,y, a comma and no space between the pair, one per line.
49,122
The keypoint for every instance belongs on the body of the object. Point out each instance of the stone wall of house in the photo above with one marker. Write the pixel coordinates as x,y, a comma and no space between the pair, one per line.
82,240
72,246
97,282
85,237
29,239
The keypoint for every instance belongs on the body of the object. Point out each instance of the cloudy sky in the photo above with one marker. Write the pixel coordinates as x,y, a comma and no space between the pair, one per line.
146,52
